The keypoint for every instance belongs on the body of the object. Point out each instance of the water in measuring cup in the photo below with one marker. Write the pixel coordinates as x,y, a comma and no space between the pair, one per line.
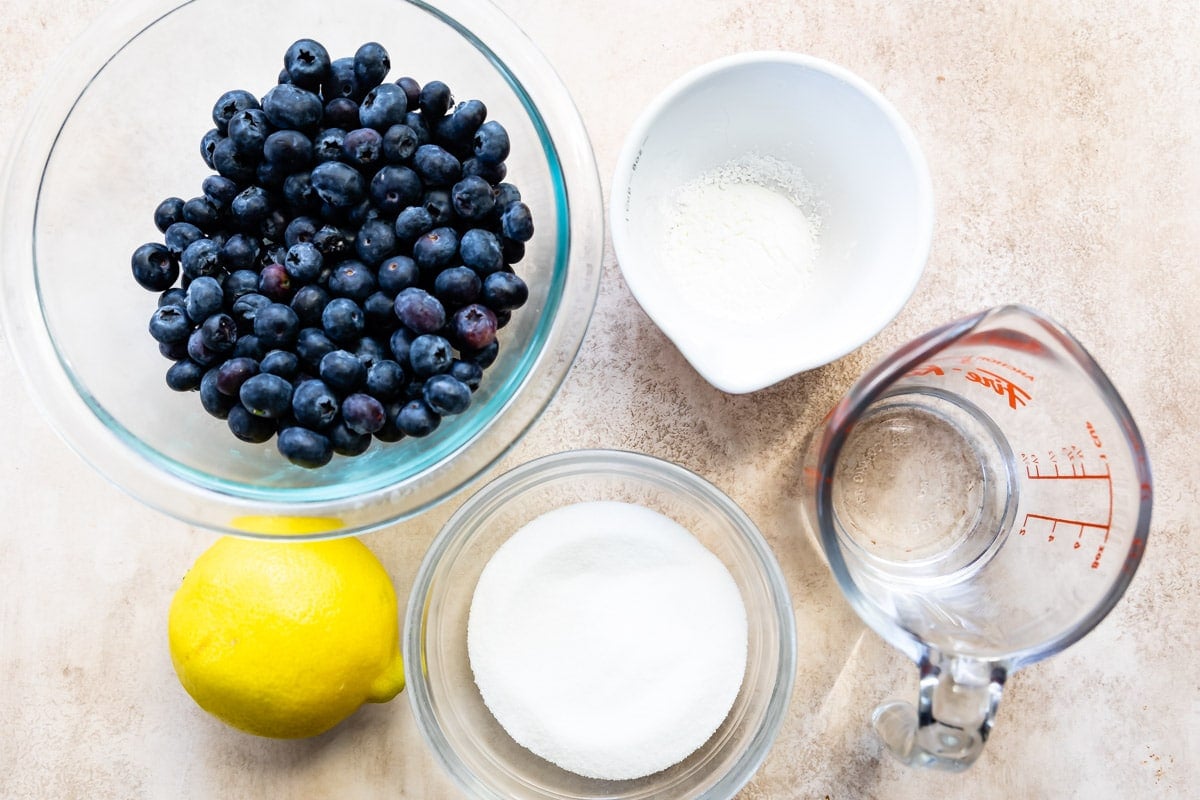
923,490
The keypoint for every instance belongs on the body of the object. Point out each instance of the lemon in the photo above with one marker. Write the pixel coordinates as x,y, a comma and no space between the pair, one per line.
286,639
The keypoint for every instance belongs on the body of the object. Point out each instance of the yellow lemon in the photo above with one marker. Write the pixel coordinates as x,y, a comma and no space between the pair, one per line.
286,639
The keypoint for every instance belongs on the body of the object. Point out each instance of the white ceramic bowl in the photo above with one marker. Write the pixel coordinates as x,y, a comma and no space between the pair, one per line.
869,189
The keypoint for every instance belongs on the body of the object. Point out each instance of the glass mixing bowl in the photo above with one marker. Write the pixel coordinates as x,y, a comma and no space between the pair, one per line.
118,127
451,714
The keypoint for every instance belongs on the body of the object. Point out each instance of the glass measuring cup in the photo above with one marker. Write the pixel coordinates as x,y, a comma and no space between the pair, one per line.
983,499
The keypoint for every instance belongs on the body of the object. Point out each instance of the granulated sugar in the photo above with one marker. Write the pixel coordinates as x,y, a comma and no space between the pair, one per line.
605,638
742,239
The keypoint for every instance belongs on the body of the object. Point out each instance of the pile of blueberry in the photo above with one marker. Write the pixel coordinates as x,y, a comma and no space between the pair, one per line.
343,274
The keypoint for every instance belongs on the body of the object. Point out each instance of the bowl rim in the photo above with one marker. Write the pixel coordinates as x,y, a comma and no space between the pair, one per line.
240,508
633,263
451,539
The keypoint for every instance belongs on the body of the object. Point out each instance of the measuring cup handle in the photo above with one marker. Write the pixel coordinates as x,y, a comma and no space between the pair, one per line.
955,710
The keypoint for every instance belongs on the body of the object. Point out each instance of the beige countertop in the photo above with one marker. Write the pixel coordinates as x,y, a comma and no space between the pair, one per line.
1064,150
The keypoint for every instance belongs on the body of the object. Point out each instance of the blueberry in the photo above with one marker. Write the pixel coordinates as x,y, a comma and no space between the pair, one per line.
233,373
385,379
380,312
396,274
211,399
312,344
474,326
338,184
299,194
434,99
327,145
220,191
341,81
394,188
173,297
277,325
167,213
343,320
204,298
411,223
412,90
249,428
472,197
371,65
234,164
290,150
491,142
201,212
341,112
248,131
516,222
399,143
436,166
303,262
430,355
401,345
363,148
274,282
346,442
506,193
362,413
484,356
208,147
352,279
185,375
202,257
332,241
229,104
250,206
219,333
457,286
307,63
512,251
246,308
468,372
342,371
435,249
416,418
480,250
308,303
300,229
384,106
370,351
446,395
440,206
504,291
170,324
492,173
179,235
314,404
248,346
153,267
266,395
390,432
174,351
289,106
420,127
375,241
457,129
304,448
420,311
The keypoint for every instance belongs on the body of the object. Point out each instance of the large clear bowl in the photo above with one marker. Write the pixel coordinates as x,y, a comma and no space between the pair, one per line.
117,127
450,712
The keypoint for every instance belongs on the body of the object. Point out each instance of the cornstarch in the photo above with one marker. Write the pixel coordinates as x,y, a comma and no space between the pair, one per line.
742,239
605,638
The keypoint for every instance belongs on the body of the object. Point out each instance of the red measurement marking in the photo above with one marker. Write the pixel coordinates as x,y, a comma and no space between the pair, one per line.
1016,396
1095,436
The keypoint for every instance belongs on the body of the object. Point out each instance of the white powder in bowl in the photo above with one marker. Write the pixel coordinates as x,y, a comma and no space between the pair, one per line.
742,239
606,639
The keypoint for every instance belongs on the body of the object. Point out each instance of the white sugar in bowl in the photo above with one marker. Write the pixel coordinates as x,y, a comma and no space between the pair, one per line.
770,212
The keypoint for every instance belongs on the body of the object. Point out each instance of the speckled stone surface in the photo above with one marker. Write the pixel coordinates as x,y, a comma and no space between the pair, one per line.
1063,143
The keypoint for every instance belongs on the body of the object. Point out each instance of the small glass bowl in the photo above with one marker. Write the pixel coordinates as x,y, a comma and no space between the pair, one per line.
449,710
118,127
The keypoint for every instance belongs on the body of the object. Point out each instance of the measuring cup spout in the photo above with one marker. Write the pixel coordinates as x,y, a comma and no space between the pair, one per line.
955,709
